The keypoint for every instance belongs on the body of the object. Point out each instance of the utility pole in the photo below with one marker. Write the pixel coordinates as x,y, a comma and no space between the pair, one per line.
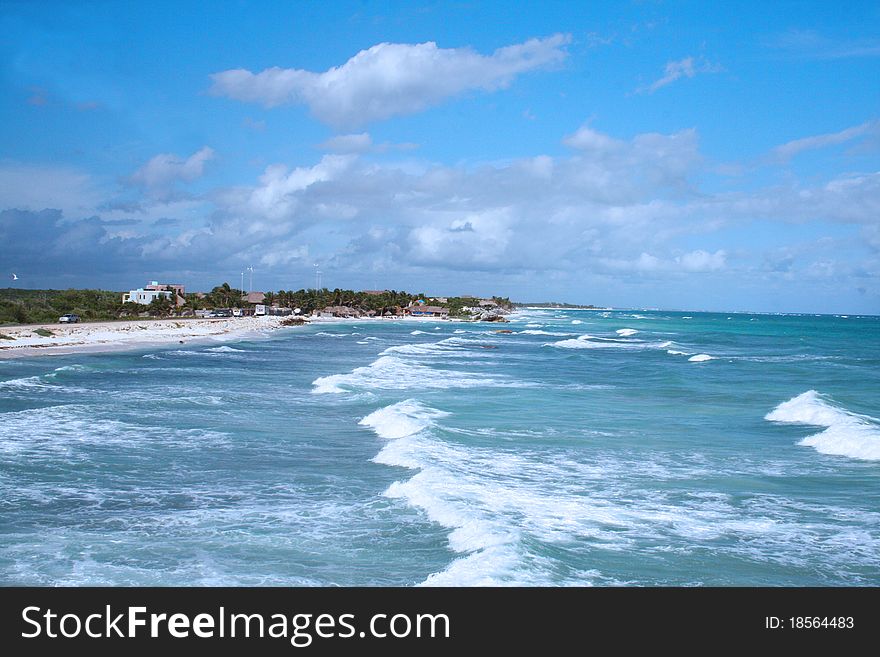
241,289
251,283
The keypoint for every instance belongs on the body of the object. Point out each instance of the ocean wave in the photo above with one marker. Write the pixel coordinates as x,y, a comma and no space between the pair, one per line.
27,382
492,553
626,331
73,368
576,321
846,434
700,358
498,505
393,373
226,350
402,419
539,332
37,384
417,332
72,430
443,349
594,342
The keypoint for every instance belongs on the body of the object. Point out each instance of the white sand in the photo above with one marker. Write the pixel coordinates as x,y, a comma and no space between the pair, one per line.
110,336
136,334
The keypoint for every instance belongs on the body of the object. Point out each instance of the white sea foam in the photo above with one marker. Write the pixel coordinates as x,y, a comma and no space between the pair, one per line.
226,350
72,368
402,419
539,332
459,331
37,384
594,342
626,332
393,373
576,321
846,433
418,332
49,431
23,383
675,352
533,325
700,358
453,346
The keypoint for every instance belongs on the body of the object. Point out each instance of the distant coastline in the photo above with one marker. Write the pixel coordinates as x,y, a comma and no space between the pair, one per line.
567,307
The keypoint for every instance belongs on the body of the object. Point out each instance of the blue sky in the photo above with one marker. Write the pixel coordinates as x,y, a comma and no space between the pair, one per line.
638,154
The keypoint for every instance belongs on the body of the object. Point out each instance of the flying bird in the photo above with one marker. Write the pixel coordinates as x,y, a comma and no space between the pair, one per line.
14,277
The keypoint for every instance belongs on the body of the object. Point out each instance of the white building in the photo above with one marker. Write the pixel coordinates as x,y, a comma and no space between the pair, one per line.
145,296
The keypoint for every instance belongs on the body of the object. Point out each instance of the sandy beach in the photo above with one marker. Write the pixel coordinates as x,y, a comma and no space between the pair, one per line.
23,340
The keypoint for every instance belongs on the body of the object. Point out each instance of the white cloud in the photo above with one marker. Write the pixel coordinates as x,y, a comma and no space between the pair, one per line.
587,139
165,169
280,192
700,261
692,262
612,211
390,79
788,150
355,143
473,240
682,68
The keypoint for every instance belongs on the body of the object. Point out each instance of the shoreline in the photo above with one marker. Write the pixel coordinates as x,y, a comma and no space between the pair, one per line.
126,335
98,337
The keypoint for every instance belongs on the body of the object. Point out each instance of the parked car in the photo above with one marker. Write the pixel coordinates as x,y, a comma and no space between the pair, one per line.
69,318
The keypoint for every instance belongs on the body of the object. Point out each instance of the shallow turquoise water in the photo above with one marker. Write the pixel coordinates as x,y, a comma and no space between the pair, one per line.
583,448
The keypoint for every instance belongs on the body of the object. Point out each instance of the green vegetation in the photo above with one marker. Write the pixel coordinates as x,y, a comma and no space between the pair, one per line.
46,306
44,333
309,300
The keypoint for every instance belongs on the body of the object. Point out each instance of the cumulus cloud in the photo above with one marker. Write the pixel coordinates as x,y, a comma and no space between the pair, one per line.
700,261
682,68
281,191
613,209
164,170
785,152
473,240
389,79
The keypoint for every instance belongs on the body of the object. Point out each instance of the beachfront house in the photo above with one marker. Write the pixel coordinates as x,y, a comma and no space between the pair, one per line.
429,311
148,293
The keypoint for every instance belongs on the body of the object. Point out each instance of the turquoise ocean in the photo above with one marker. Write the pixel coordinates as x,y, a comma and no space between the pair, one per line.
582,448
